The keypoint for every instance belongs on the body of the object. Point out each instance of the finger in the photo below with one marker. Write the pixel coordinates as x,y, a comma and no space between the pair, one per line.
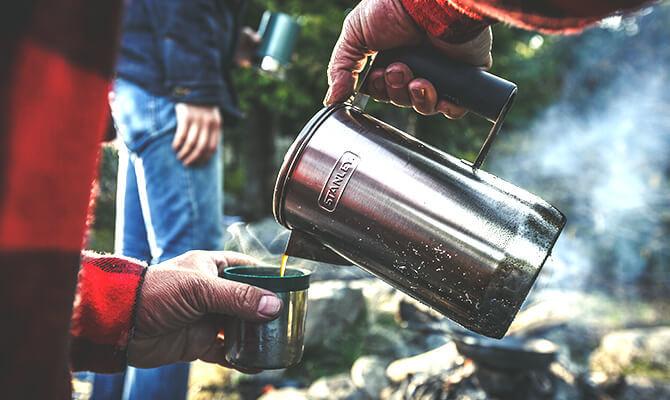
253,35
201,339
183,126
221,296
199,152
225,259
376,86
450,110
423,96
397,76
213,143
474,52
204,344
346,61
197,260
189,144
217,354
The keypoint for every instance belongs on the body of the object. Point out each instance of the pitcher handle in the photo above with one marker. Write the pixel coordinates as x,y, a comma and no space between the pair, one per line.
470,87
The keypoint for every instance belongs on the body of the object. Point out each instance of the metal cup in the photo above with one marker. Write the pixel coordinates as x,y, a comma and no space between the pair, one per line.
279,33
278,343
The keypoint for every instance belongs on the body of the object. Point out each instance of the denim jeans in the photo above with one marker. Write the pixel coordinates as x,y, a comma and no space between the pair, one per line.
164,209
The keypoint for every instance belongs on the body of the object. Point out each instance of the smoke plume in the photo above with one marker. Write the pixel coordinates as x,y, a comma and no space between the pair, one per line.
602,156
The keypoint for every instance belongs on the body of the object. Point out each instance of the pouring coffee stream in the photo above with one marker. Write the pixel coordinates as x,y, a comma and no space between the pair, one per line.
354,190
282,264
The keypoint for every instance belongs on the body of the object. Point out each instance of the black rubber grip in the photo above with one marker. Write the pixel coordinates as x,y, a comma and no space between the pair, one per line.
470,87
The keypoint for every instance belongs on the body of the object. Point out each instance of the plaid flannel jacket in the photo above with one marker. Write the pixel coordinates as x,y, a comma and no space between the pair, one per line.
457,21
56,63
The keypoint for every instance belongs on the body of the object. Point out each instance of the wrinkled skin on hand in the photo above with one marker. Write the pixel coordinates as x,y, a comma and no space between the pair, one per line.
376,25
183,306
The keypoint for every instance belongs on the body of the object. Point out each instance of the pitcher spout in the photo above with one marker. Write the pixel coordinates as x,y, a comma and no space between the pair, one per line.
304,246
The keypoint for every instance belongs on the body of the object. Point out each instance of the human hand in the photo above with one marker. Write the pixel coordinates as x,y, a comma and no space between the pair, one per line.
376,25
246,47
183,305
198,132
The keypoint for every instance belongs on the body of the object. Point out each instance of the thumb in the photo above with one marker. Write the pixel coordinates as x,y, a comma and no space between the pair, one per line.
347,60
222,296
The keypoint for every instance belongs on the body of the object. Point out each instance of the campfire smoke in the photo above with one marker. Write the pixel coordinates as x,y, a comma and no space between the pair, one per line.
604,158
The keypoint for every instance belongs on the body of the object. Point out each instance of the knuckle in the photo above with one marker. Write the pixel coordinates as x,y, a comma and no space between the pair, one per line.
194,257
246,297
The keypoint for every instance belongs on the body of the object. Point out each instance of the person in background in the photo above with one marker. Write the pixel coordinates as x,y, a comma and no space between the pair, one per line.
172,96
56,63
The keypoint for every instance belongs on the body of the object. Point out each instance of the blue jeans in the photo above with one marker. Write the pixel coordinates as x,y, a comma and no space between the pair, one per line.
164,209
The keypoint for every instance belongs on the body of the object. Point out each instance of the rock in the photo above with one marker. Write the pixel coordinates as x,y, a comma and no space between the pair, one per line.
633,351
388,342
285,394
338,387
640,388
380,297
369,374
333,308
429,363
267,377
434,341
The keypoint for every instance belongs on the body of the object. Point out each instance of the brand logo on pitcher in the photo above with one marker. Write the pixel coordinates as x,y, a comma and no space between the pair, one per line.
337,181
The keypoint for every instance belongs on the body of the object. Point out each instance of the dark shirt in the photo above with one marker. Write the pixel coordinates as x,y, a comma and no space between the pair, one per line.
182,49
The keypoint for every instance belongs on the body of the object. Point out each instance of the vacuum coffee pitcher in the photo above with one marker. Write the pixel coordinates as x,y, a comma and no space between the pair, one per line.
355,190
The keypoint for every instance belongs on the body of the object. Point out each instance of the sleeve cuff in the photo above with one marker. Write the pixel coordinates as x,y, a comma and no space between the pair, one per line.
103,315
203,93
442,20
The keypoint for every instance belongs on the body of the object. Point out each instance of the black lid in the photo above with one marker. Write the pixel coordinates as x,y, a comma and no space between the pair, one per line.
294,279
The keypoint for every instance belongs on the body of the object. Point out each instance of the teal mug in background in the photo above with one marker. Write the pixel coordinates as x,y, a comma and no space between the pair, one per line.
279,33
278,343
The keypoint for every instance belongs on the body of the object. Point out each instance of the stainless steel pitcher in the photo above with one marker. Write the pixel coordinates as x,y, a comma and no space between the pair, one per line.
354,189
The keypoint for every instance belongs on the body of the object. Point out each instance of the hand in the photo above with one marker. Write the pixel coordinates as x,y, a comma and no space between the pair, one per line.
183,305
246,47
198,132
376,25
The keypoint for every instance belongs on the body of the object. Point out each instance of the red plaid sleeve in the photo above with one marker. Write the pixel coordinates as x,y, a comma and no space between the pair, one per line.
103,314
457,21
440,19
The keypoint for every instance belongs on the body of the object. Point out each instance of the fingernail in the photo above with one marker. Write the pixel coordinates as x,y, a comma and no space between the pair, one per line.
395,78
269,306
418,93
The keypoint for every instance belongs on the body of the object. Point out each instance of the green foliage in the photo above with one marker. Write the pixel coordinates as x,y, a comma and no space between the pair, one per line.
648,370
101,236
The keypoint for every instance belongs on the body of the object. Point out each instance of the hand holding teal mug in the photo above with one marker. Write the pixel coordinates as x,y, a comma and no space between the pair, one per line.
279,33
278,343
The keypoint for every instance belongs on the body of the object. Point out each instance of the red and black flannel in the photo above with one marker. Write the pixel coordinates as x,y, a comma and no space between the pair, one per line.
460,20
56,59
56,64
